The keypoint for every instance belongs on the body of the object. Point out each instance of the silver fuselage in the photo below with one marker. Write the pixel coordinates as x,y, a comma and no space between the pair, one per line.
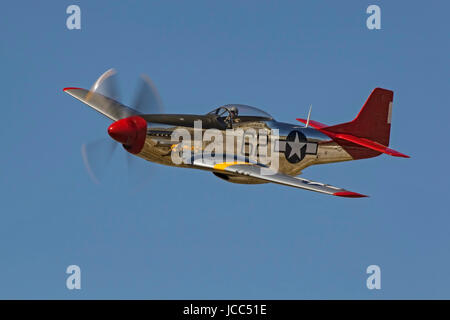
317,147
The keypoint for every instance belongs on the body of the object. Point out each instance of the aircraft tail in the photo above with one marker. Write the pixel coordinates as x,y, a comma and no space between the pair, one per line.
368,134
373,122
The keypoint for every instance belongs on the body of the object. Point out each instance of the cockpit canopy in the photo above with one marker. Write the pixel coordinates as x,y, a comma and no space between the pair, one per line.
242,111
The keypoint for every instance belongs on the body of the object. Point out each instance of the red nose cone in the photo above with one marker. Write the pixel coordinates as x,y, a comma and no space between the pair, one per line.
131,132
122,131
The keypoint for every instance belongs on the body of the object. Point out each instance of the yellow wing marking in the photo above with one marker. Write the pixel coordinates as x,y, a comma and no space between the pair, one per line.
224,165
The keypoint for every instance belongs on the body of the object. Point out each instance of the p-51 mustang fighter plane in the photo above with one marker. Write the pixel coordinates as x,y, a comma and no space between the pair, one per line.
151,137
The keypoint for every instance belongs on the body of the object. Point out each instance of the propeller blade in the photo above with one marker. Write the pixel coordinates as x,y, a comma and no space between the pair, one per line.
147,97
106,85
96,156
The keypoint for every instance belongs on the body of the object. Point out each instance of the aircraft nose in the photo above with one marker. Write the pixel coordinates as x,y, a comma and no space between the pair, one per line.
122,131
131,132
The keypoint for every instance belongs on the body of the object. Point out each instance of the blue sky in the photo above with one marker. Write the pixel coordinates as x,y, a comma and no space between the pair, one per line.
185,233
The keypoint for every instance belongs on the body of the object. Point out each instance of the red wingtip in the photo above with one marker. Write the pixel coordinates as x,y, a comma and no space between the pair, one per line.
71,88
349,194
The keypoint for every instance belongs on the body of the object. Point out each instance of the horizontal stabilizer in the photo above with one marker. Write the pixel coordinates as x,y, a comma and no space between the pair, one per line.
356,140
370,144
312,123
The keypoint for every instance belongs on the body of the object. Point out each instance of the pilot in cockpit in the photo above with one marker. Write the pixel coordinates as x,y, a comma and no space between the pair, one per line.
232,116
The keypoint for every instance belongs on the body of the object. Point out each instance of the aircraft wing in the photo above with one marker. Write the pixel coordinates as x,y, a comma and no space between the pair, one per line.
106,106
261,172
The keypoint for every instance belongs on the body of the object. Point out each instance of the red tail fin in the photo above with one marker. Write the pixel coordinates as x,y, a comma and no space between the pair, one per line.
373,121
368,134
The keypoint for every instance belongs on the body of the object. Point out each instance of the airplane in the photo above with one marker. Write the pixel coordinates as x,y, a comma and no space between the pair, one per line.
293,147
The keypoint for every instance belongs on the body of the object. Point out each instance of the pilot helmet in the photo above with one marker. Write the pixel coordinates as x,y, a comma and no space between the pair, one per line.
234,110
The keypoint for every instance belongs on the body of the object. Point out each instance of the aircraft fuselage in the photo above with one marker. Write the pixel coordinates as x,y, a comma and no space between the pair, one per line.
297,148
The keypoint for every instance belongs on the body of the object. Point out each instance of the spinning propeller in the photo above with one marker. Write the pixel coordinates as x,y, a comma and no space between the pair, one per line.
130,130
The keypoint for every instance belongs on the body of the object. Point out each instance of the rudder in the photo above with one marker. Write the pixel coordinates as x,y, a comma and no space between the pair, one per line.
373,121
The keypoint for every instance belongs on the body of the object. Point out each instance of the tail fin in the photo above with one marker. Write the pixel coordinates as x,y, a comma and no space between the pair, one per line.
368,134
373,121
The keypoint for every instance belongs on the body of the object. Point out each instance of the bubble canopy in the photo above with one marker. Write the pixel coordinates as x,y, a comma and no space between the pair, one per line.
242,111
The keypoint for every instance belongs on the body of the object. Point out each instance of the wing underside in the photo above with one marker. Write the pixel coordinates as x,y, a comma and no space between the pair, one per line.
266,174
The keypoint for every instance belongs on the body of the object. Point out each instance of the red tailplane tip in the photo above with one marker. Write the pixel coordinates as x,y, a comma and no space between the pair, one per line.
394,153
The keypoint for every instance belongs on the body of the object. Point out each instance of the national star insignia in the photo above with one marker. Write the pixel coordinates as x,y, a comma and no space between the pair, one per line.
296,146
